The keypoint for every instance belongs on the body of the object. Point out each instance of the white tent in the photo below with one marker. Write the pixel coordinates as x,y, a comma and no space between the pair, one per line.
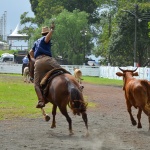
16,36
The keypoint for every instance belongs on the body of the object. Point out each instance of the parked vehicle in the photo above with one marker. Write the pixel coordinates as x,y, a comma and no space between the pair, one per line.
6,57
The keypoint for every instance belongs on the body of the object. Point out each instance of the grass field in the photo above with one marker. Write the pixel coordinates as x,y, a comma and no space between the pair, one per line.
102,81
18,99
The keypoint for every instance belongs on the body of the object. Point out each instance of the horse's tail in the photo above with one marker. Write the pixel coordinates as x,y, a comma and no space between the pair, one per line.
76,100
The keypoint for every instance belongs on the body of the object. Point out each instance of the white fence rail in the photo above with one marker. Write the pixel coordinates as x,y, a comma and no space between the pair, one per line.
97,71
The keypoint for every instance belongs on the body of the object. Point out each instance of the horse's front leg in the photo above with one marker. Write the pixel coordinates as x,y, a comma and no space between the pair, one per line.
54,114
85,119
47,118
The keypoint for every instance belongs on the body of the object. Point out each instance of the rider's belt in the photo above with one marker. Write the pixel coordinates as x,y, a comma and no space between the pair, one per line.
41,56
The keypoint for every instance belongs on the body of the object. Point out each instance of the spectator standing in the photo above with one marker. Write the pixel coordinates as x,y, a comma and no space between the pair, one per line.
25,62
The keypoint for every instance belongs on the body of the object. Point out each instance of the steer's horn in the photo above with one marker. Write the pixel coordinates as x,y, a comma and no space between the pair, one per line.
135,69
121,69
128,70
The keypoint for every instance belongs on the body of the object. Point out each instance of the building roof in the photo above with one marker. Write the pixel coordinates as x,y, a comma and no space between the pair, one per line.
17,36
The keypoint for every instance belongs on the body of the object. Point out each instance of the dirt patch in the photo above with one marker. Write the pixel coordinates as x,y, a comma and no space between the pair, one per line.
109,127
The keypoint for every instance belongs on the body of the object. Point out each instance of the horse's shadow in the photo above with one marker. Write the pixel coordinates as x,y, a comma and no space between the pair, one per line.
65,136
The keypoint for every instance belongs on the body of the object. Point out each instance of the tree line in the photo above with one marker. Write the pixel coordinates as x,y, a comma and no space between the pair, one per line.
117,30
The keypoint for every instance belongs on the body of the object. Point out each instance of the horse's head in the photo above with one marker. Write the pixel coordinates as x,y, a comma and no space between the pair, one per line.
31,67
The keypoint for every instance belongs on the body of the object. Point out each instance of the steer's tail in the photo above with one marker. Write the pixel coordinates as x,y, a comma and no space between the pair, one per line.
147,108
147,87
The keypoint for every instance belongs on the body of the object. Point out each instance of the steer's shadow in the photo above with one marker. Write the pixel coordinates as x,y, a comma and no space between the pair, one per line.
147,133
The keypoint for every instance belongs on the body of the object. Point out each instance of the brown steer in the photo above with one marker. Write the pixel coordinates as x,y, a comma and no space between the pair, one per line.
137,94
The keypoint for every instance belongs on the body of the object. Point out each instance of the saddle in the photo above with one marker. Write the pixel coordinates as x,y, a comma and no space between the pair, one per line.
49,76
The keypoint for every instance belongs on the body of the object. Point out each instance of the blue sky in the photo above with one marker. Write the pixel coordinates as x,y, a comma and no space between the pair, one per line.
14,10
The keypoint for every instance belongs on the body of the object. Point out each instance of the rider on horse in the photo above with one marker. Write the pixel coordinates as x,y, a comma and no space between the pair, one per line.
44,62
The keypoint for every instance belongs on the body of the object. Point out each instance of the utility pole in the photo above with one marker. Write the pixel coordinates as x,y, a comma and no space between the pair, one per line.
135,39
84,34
5,18
135,30
1,28
109,34
3,21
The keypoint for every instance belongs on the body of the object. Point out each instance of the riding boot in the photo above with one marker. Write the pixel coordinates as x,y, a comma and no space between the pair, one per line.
41,102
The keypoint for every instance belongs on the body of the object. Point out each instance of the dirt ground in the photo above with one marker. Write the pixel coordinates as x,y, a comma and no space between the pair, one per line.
109,127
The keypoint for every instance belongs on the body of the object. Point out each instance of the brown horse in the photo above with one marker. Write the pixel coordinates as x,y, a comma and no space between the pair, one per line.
63,90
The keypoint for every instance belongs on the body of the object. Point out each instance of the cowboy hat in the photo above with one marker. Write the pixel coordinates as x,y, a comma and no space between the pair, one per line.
45,30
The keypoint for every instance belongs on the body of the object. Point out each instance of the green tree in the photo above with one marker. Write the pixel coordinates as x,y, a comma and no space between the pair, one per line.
29,24
149,28
44,9
127,31
68,40
89,6
120,43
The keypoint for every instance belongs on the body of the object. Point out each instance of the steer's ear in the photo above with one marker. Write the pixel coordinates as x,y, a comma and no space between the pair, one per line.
135,74
119,74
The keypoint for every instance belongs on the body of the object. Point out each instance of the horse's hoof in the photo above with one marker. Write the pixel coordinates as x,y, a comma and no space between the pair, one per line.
139,126
47,118
71,133
53,126
87,134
